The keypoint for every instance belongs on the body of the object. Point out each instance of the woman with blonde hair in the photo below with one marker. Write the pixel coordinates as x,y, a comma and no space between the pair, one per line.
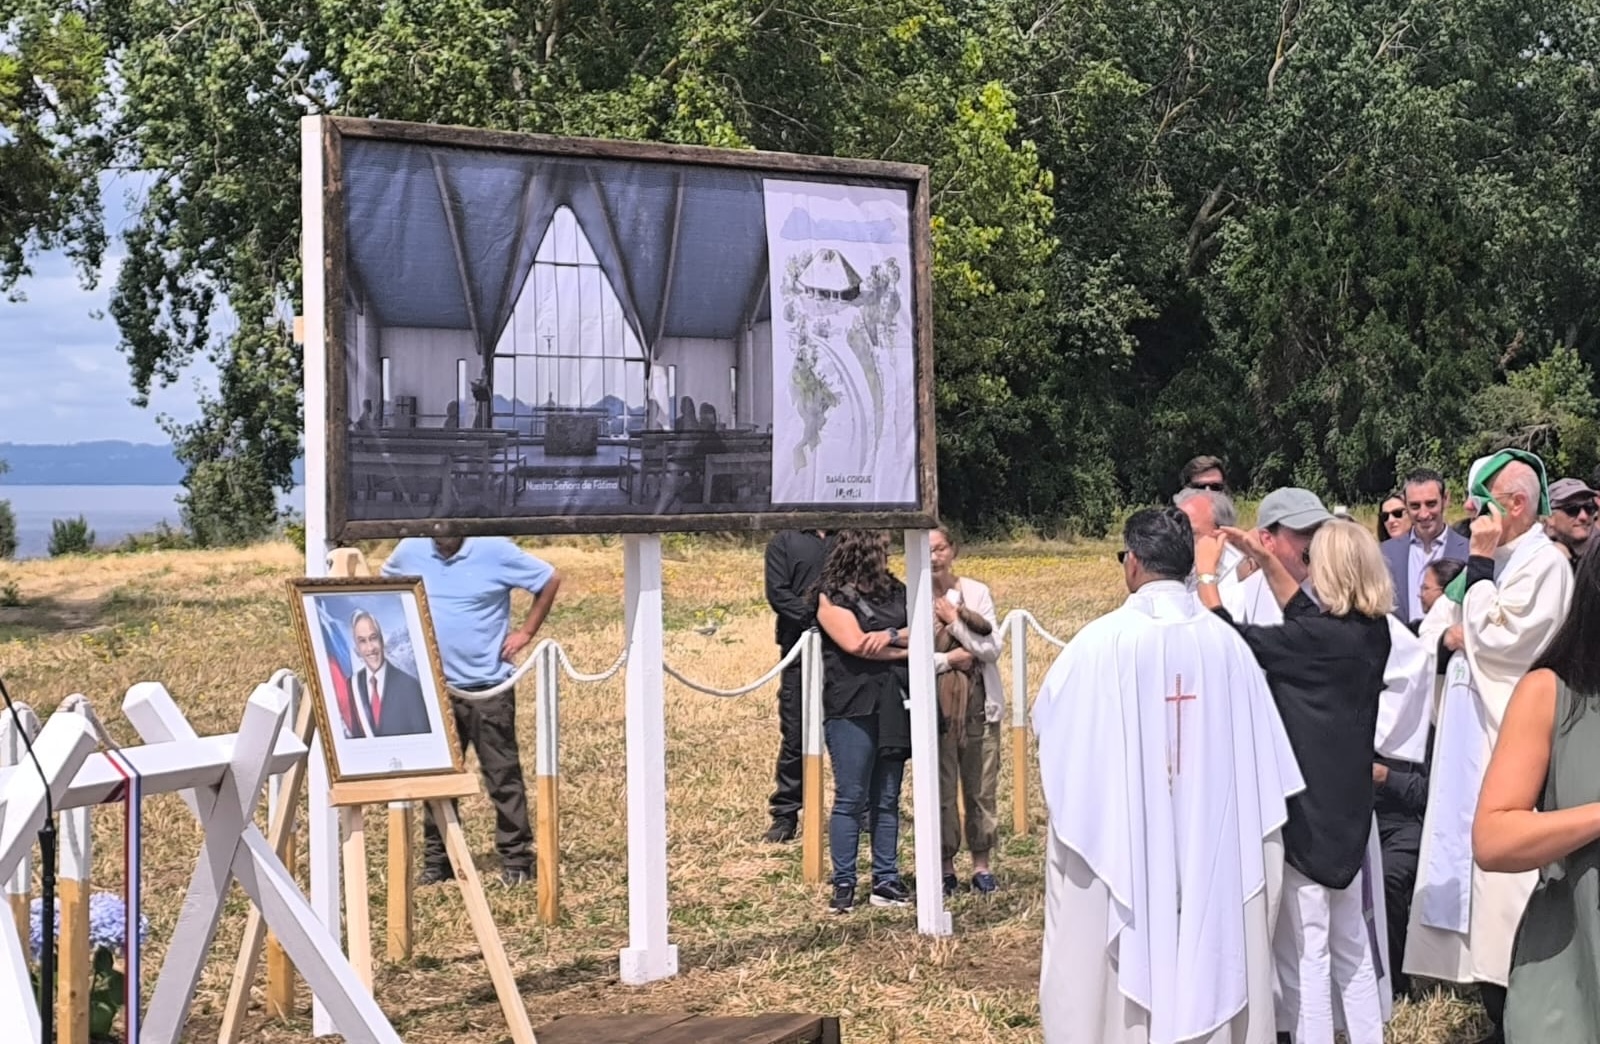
1325,667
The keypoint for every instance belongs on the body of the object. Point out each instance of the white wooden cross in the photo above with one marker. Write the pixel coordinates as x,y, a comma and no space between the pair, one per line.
220,779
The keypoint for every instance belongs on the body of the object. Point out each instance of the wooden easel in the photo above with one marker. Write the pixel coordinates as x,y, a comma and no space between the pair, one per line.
439,792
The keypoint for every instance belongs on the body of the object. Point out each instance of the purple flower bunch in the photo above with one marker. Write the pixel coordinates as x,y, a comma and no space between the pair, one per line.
108,924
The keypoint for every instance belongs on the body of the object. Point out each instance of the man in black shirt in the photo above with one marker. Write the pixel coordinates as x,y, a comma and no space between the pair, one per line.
794,562
1400,797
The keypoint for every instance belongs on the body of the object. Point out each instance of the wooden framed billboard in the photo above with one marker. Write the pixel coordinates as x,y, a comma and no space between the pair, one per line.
524,334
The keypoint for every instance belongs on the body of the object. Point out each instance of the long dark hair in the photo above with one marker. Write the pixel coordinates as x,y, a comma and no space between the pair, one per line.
859,559
1383,520
1574,653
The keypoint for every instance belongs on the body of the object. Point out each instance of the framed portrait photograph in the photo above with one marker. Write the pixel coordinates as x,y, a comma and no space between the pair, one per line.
373,674
524,334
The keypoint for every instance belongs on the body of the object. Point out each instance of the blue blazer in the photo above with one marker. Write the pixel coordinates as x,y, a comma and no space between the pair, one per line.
1397,555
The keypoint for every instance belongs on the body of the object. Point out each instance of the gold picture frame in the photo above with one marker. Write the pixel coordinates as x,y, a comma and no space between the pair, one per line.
343,625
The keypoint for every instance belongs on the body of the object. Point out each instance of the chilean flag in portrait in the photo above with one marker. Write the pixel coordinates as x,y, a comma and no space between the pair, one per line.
340,670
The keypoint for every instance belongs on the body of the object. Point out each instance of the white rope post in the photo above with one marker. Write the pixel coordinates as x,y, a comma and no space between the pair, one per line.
547,783
1019,721
932,918
280,973
62,747
13,748
648,956
322,820
73,959
811,833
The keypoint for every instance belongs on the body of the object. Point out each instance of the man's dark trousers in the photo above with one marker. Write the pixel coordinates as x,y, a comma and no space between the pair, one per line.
786,799
489,726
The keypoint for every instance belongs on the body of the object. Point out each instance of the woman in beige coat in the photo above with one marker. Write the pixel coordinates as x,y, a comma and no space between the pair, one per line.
972,702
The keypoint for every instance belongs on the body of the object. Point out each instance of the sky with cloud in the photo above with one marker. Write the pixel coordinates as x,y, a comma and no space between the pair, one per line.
62,378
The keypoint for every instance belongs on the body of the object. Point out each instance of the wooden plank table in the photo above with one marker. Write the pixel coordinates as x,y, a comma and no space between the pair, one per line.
682,1028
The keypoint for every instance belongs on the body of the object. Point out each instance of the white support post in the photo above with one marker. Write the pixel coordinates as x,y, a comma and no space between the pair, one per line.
72,905
813,830
932,918
1019,723
13,749
322,819
547,782
61,746
226,811
280,973
648,956
16,981
253,863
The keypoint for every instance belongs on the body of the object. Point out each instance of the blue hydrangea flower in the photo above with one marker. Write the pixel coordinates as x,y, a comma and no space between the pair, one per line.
108,924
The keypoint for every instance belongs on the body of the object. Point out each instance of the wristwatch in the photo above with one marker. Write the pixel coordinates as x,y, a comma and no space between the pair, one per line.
1207,578
894,635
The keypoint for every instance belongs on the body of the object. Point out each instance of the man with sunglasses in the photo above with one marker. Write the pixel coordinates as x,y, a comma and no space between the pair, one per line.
1204,472
1573,509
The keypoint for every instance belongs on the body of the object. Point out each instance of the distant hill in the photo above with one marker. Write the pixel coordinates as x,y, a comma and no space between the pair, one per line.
107,463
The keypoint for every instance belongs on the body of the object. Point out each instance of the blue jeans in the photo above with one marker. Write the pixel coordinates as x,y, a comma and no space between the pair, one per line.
862,781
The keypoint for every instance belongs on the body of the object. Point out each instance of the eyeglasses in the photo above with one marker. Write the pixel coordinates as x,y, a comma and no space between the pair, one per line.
1122,556
1212,487
1577,510
1397,513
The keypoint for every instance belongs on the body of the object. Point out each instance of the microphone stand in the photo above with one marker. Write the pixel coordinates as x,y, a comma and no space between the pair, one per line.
47,888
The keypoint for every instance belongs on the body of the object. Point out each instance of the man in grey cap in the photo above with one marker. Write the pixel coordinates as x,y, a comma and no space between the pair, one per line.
1285,522
1573,507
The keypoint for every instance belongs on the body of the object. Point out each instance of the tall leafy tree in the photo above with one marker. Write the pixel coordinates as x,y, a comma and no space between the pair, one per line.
214,91
52,87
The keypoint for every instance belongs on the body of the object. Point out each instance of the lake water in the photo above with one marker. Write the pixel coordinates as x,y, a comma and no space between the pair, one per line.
113,512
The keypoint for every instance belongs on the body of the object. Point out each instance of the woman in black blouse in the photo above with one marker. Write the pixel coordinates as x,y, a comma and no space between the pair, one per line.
861,609
1325,667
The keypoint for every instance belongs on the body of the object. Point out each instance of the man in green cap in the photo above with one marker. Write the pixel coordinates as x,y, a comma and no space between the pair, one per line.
1508,604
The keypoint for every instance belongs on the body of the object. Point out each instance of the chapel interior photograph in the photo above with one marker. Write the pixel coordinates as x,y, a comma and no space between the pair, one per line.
537,335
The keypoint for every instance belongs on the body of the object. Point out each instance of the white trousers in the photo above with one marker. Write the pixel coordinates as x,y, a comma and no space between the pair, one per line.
1321,943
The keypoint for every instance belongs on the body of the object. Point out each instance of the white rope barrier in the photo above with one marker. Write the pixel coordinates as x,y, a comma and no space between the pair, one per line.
578,676
793,655
1034,624
560,653
530,662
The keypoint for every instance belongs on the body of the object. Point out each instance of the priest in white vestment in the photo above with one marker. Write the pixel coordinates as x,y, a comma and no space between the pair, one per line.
1166,770
1508,604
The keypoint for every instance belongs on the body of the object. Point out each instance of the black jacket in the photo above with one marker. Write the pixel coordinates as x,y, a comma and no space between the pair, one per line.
794,563
856,687
1326,676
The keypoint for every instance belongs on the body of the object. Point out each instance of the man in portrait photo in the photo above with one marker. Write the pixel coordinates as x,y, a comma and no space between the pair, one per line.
389,698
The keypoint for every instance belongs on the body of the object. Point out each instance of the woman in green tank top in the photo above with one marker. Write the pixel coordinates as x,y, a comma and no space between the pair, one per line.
1540,810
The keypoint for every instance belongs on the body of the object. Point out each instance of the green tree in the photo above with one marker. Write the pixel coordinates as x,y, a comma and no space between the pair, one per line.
214,92
1548,408
52,87
1318,239
8,523
70,536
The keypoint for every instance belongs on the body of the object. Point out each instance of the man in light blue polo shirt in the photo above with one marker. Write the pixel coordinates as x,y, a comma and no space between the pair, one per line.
469,583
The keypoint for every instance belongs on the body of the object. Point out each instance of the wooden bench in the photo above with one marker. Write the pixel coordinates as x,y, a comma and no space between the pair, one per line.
679,1028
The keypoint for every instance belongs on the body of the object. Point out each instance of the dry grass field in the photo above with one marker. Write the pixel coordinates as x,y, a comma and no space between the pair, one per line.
752,936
